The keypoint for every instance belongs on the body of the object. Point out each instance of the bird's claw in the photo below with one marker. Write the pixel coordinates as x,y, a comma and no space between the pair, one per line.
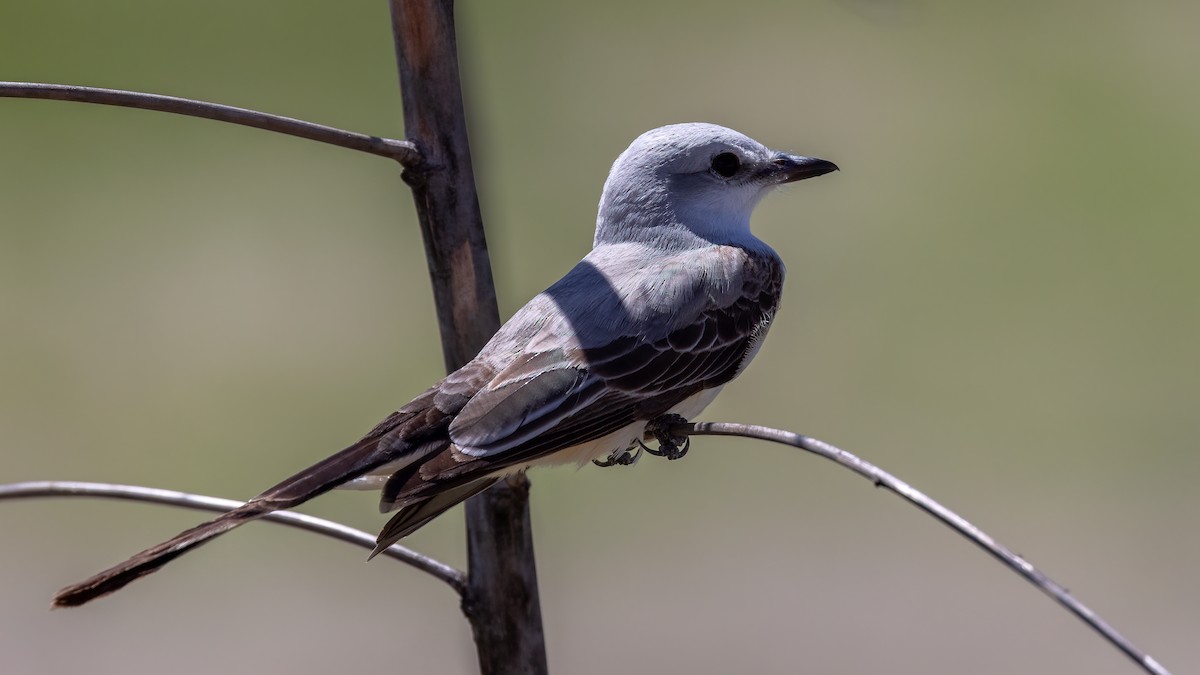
622,458
671,446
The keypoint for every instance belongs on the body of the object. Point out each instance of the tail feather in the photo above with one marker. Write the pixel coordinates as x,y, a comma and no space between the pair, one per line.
414,516
148,561
356,460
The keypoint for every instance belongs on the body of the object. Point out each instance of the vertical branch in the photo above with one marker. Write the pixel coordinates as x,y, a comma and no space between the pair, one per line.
502,600
446,200
502,595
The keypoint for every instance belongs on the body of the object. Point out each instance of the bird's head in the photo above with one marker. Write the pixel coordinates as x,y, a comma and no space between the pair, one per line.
693,180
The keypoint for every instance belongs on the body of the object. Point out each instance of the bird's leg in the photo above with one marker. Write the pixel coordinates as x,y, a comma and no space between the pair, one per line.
622,458
671,446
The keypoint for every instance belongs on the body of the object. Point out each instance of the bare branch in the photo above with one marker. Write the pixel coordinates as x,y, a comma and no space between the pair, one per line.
957,523
453,577
502,601
404,152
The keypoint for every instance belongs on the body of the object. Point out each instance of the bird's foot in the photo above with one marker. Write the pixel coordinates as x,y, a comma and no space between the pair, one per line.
622,458
671,446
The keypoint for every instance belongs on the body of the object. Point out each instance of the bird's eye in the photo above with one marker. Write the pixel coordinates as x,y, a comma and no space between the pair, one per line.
726,164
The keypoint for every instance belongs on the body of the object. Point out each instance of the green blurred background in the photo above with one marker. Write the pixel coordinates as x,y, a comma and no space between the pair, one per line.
995,299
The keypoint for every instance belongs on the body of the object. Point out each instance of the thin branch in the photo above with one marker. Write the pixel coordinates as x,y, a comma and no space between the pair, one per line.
957,523
50,488
404,152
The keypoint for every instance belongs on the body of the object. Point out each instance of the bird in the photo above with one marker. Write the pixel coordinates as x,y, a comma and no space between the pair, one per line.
671,303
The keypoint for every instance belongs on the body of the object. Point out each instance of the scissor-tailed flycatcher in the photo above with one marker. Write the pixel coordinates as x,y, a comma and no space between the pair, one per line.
672,302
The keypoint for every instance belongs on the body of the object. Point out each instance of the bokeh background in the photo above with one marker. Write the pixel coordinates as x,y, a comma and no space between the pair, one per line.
995,299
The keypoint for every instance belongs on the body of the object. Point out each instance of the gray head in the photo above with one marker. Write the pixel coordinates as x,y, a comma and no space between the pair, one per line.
686,181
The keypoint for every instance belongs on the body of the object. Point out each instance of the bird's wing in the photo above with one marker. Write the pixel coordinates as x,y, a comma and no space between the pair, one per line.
557,397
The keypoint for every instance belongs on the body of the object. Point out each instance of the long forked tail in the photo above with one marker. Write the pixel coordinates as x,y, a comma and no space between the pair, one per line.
370,453
115,578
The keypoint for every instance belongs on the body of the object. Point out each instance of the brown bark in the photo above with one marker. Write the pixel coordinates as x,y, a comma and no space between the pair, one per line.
502,595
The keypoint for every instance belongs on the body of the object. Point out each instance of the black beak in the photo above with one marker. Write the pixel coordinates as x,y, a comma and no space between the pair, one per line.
785,168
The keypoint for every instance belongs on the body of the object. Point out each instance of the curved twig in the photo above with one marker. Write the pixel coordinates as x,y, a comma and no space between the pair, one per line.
52,488
457,580
404,152
957,523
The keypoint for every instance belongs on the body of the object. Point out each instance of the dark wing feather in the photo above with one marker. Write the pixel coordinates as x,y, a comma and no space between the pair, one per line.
552,400
418,482
545,402
627,380
522,401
